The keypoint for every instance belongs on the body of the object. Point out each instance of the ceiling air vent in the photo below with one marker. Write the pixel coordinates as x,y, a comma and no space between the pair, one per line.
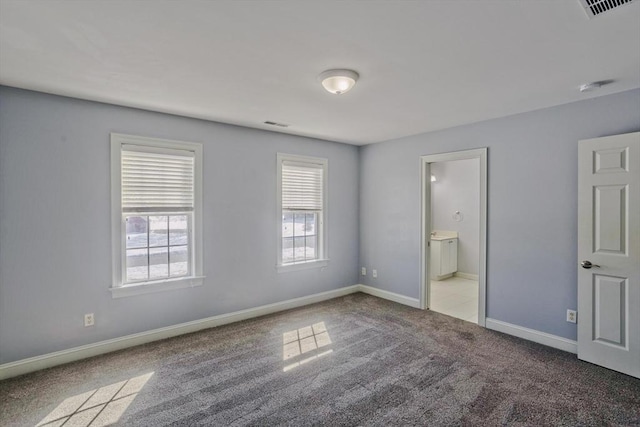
280,125
595,8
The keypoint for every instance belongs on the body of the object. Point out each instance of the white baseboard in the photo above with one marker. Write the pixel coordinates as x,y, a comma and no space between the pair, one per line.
49,360
32,364
468,276
36,363
391,296
533,335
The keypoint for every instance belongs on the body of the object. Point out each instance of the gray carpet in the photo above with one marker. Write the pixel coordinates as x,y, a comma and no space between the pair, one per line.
352,361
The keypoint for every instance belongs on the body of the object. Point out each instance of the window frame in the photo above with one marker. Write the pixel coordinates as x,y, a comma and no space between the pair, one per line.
118,225
322,259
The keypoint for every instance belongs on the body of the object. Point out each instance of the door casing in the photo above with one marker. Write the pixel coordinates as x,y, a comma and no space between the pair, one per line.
425,248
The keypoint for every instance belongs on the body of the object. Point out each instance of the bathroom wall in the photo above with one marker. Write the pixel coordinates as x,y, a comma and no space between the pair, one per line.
458,189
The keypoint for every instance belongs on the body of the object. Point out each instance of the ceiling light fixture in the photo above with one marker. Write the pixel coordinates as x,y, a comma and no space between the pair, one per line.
338,81
590,87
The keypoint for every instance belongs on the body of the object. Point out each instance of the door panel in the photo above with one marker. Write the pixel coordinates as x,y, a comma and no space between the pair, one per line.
610,309
609,238
453,255
610,219
445,260
610,161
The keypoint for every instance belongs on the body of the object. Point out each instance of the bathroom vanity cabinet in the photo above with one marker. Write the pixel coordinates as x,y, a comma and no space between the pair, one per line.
444,258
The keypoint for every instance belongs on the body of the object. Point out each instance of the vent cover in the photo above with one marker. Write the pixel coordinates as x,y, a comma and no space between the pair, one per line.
281,125
595,8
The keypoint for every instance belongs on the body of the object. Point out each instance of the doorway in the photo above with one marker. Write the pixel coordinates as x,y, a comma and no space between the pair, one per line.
453,256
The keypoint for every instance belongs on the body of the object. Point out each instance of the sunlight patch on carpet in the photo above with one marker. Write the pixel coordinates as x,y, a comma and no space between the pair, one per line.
305,341
99,407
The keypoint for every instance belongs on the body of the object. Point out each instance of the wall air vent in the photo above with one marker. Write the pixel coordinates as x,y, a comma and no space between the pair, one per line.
595,8
280,125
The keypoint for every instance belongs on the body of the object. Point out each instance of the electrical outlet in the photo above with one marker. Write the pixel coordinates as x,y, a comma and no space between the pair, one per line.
89,320
364,271
572,316
374,273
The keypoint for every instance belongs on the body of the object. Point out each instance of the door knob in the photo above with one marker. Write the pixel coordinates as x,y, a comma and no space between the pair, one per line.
588,265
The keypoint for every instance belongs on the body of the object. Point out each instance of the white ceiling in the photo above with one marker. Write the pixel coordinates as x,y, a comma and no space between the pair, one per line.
424,65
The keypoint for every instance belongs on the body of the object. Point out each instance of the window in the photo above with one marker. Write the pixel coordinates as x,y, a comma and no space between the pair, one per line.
157,221
302,212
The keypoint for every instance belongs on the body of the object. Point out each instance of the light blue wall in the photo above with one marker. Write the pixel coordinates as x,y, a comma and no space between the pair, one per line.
532,206
55,244
55,248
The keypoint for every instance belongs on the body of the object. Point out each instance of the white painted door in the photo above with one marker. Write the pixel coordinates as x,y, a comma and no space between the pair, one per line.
609,252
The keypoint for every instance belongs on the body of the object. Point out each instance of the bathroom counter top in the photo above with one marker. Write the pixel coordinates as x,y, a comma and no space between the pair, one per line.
443,235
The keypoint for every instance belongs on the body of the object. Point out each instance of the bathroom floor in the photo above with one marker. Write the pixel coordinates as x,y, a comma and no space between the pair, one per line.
455,297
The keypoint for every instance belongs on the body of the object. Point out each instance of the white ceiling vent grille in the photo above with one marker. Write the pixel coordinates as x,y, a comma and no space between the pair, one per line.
595,8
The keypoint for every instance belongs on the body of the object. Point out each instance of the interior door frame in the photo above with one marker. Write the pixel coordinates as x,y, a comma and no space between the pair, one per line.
425,248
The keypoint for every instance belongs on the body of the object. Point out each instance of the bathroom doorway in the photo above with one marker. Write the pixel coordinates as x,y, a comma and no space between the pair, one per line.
454,234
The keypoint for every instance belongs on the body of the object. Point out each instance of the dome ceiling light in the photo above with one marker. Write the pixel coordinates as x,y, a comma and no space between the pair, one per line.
590,87
338,81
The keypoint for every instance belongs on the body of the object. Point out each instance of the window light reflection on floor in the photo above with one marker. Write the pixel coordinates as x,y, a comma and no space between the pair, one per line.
308,341
99,407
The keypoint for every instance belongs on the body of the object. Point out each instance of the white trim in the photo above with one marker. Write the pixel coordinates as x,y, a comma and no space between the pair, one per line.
425,226
543,338
117,244
118,140
318,263
24,366
156,286
391,296
467,276
36,363
425,230
323,236
32,364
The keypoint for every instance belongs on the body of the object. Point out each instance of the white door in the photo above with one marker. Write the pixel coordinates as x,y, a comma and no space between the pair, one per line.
609,252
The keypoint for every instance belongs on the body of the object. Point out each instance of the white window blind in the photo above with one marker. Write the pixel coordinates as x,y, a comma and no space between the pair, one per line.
301,186
157,180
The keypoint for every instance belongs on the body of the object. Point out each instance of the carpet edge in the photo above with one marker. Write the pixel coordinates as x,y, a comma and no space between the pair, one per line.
36,363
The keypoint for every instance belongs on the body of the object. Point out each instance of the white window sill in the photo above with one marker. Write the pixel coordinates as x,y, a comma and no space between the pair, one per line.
157,286
320,263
